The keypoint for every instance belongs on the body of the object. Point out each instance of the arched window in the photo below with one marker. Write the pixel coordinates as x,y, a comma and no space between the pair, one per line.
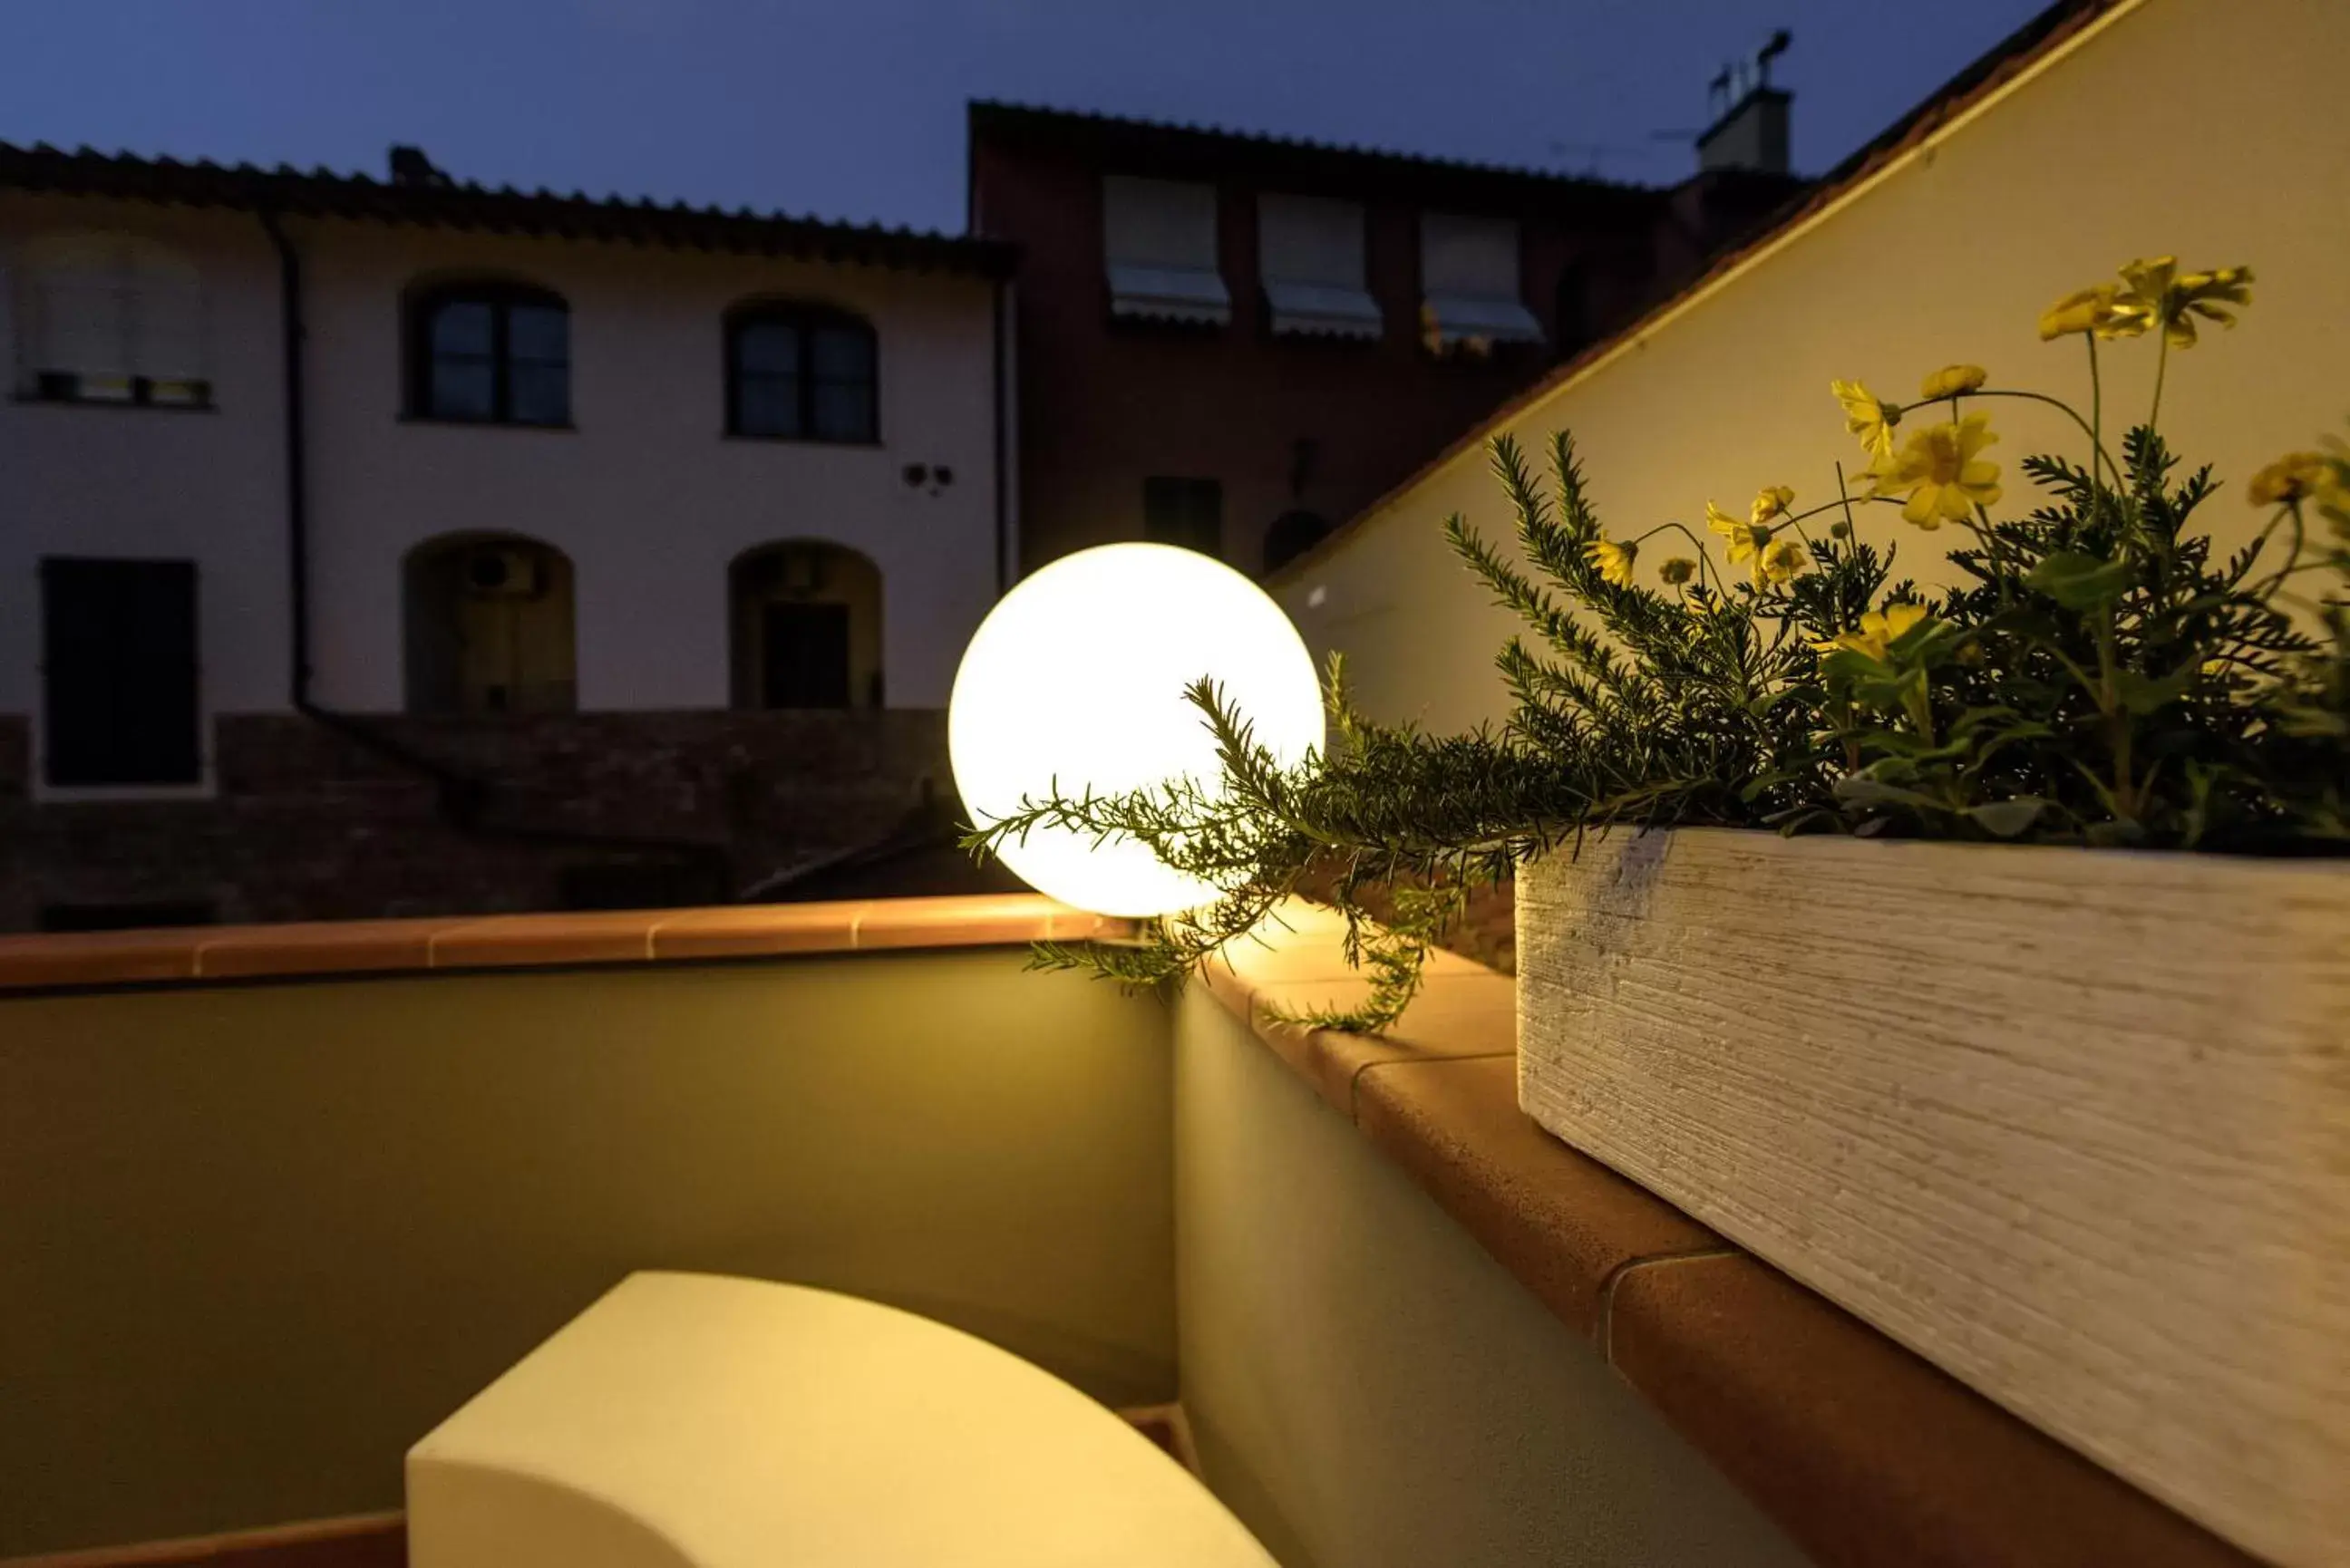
1291,535
802,372
109,318
489,626
806,624
489,353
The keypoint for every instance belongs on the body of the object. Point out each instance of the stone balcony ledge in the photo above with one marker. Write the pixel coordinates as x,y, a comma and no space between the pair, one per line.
196,953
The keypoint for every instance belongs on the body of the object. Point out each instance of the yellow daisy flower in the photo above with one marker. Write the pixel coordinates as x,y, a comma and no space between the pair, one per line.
1951,380
1746,539
1781,560
1867,419
1942,474
2100,309
1614,560
2288,478
1879,629
1677,570
2172,299
1770,501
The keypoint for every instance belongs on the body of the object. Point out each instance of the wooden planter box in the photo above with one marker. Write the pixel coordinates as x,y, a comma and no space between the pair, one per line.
2073,1125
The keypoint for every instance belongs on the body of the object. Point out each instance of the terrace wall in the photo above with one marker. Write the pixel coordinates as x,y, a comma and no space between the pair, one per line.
2159,126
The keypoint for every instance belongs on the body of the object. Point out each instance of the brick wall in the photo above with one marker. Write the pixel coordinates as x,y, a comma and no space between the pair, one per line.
309,824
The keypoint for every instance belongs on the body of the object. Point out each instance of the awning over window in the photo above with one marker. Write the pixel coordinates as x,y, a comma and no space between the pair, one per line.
1159,239
1169,293
1468,278
1312,252
1330,309
1463,317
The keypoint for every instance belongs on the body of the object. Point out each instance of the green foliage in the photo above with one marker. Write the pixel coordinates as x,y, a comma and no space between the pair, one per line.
2096,677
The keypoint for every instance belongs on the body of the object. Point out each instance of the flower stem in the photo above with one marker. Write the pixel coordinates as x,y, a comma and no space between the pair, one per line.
2161,362
2074,414
2097,431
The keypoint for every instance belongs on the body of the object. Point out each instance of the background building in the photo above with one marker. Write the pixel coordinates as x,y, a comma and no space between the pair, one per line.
1233,341
377,547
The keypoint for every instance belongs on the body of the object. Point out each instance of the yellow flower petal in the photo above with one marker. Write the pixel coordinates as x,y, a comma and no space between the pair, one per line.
1951,380
1781,561
1614,560
2288,478
1770,501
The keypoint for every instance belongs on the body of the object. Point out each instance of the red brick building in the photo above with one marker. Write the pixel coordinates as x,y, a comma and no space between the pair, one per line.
1233,341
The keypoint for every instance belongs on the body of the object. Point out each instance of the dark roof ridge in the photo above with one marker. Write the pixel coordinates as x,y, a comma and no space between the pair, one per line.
979,106
466,203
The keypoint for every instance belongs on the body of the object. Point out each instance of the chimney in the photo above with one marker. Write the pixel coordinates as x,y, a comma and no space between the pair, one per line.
410,167
1750,116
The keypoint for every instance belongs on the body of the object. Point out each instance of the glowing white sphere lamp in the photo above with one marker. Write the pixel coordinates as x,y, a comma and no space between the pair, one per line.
1075,681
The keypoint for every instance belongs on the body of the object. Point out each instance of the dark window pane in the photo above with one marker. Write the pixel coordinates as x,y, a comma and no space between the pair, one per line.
460,389
844,353
538,394
767,406
461,326
119,666
844,410
767,348
540,333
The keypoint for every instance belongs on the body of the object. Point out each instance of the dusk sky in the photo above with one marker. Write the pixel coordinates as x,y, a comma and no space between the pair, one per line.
854,108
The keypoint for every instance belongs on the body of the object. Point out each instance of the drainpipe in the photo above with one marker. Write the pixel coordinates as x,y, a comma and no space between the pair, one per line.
460,798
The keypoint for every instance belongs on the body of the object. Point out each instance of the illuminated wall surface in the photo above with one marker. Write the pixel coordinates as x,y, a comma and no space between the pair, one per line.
2207,129
262,1237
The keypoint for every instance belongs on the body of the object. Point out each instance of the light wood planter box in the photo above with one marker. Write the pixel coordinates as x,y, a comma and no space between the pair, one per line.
2073,1125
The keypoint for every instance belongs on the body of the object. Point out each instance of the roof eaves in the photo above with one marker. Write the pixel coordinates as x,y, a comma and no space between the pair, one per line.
1077,122
320,194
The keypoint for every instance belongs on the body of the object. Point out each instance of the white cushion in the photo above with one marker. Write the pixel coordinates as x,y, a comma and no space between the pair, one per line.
698,1421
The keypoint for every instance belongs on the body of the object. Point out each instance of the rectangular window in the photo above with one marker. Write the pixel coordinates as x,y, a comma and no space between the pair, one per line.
538,342
767,379
109,318
1315,272
803,373
1189,513
841,374
1159,239
1470,285
118,672
465,361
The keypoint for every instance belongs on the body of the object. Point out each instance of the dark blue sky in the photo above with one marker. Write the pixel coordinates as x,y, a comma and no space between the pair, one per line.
853,109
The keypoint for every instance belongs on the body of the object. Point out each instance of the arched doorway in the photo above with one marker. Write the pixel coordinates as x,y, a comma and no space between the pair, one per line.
489,627
806,620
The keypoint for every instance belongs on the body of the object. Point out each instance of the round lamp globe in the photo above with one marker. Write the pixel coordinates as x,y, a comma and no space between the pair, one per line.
1075,682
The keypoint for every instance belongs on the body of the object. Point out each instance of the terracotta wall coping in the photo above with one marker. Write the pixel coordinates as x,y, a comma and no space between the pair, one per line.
1863,1453
189,953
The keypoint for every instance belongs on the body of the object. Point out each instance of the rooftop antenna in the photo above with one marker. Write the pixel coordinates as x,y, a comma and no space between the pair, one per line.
1746,74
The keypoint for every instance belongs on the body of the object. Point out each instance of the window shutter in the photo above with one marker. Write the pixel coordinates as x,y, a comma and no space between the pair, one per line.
165,313
74,297
1309,239
1159,240
1311,251
1469,281
1477,257
1159,222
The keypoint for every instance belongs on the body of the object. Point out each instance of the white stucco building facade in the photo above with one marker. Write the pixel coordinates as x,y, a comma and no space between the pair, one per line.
145,332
